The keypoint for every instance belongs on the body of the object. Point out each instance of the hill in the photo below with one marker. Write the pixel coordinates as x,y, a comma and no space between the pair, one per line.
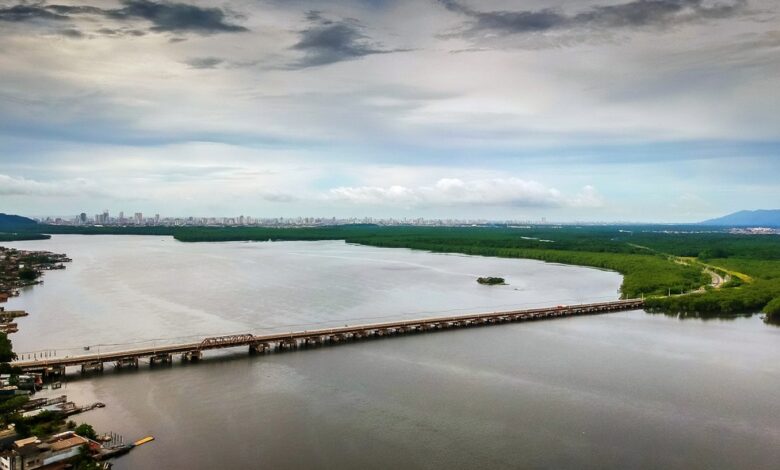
8,221
758,218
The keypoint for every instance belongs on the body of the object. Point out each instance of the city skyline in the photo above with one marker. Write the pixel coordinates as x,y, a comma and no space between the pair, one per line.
603,110
107,217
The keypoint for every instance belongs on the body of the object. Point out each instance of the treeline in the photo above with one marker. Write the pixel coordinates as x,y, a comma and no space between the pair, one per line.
709,245
761,294
106,230
12,236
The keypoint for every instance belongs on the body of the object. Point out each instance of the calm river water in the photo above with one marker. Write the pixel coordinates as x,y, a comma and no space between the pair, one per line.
625,390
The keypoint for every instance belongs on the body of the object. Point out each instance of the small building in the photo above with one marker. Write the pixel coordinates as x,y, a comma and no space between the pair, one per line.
31,453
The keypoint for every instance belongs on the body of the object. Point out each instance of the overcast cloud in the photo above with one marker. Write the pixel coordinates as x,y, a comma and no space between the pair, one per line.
569,110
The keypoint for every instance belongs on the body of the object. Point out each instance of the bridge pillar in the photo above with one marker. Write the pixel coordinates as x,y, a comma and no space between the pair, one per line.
160,359
126,362
192,356
92,366
259,348
54,371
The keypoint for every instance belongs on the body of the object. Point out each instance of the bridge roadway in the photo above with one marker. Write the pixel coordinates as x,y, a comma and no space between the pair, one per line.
291,340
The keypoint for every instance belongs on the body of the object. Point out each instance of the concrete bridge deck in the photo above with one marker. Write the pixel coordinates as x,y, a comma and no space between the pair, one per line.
290,340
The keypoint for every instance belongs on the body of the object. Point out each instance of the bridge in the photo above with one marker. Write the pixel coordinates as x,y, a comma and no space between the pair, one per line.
193,351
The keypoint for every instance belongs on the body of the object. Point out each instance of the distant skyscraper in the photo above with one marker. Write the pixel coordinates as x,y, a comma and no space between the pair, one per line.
139,218
83,218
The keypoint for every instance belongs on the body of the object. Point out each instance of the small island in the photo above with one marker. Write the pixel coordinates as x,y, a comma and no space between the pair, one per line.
491,281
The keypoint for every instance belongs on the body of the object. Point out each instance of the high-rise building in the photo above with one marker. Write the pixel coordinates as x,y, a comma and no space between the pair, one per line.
83,218
139,218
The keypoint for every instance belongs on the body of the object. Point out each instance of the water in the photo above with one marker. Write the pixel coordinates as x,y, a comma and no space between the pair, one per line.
625,390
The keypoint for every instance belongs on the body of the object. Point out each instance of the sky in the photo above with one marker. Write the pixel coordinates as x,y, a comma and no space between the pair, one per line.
572,110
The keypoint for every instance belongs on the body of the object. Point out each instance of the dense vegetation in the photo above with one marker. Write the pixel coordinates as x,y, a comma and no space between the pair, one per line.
93,230
654,260
12,236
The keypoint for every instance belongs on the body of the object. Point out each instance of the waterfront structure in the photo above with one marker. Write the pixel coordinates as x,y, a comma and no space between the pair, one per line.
32,453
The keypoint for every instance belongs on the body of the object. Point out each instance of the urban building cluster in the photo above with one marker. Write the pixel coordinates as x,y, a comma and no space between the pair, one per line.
755,231
105,218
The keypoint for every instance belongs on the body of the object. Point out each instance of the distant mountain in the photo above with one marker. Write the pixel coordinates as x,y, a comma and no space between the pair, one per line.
759,218
8,221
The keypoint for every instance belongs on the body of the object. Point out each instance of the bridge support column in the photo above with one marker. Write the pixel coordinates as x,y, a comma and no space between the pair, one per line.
288,344
92,366
192,356
127,362
259,348
57,371
160,359
335,338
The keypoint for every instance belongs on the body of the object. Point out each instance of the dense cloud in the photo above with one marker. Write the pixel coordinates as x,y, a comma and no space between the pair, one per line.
24,12
11,186
326,41
638,13
314,104
168,16
164,16
513,192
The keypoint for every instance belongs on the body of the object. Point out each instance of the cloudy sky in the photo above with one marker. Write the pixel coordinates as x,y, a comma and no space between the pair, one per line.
643,110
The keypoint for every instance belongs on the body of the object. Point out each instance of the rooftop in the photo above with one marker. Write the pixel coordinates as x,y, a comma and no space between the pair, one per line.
68,443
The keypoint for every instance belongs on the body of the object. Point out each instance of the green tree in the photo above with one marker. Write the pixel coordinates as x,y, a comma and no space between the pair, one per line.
7,353
86,430
28,274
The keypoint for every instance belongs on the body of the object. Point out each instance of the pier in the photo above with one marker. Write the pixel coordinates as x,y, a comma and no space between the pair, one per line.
193,351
